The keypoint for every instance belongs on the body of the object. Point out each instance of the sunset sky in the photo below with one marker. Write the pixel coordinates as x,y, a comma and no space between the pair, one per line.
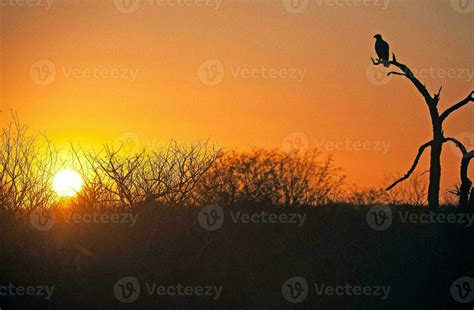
242,74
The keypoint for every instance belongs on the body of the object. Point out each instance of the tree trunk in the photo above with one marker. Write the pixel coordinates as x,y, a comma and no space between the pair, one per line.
466,184
435,175
435,160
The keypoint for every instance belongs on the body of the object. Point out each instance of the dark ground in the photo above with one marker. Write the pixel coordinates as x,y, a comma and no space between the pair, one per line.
251,261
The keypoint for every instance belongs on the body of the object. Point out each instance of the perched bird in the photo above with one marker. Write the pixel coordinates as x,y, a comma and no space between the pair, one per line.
382,49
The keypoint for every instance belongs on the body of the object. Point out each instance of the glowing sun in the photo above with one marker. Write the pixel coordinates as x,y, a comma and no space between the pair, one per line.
67,183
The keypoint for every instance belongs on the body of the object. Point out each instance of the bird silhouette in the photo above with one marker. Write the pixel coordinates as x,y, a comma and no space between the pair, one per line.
382,49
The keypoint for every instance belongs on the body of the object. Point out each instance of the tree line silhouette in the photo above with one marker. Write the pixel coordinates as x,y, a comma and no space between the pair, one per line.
184,175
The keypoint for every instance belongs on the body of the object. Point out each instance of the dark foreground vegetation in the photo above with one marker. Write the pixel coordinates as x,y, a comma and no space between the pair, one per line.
251,262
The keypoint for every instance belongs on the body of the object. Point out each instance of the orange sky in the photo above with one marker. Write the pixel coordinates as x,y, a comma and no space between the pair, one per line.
140,72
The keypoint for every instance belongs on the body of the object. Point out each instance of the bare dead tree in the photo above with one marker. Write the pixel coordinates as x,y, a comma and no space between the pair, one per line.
97,189
437,120
272,177
27,165
114,178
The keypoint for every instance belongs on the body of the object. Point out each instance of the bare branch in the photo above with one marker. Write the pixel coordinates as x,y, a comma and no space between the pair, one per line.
395,73
436,97
458,105
461,147
466,183
409,75
415,163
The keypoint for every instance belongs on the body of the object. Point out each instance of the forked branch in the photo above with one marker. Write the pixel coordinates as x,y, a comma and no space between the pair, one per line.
467,156
413,167
459,145
458,105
